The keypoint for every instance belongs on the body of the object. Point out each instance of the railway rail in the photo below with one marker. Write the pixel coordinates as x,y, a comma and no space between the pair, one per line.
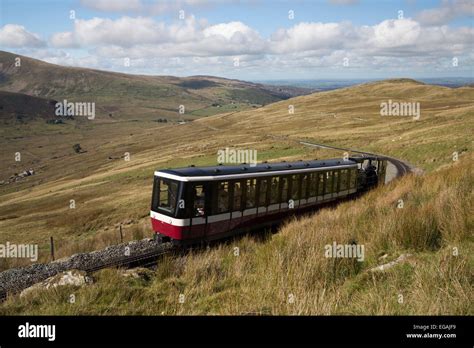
402,167
145,260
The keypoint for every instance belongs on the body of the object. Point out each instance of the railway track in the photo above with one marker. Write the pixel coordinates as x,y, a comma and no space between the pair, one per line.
402,167
145,260
150,258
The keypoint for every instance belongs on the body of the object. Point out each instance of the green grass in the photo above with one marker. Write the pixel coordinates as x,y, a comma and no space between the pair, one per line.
214,110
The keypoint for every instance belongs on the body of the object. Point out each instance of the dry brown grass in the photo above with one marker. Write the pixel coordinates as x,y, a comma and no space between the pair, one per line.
265,276
110,191
436,216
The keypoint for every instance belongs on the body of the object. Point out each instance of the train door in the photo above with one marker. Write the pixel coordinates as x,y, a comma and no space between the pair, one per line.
200,209
249,205
294,191
274,195
284,192
321,177
305,184
263,195
335,183
219,218
236,192
328,184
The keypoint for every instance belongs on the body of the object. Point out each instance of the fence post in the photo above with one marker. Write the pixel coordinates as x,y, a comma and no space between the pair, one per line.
121,235
52,247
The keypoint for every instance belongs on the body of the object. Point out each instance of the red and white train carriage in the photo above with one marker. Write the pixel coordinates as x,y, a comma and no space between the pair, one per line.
191,205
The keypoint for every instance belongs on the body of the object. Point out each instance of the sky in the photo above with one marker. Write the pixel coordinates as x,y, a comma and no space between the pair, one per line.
247,39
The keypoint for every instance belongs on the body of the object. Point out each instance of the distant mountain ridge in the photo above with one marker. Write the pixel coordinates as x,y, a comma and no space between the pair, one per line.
331,84
124,96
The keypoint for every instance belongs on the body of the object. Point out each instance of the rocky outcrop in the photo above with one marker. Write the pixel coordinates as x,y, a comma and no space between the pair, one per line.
72,277
402,258
18,176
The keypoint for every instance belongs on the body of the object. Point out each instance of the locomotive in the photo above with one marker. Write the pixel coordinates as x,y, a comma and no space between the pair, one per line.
200,204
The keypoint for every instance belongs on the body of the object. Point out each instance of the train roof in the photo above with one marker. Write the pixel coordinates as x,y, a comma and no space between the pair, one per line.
247,170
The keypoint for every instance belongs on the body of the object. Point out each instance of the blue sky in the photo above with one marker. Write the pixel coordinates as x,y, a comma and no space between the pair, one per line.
247,39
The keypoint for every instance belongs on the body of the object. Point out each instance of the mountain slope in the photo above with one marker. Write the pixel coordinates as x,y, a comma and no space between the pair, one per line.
131,96
350,117
23,108
108,191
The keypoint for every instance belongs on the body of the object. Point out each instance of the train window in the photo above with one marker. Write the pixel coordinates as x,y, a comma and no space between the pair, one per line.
344,180
284,189
168,193
304,186
237,201
223,197
262,196
313,186
321,184
353,179
295,187
199,200
250,192
336,181
274,186
328,184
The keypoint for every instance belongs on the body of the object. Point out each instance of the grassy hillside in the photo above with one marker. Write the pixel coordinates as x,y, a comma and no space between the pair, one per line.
288,273
124,96
109,190
21,108
350,117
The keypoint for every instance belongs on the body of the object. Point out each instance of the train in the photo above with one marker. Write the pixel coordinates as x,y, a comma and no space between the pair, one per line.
193,205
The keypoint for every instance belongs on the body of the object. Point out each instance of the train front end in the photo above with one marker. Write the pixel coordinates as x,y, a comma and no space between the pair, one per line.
165,209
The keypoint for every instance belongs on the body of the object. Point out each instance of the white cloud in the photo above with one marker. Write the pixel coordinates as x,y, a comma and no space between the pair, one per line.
193,46
137,37
311,36
64,40
393,37
228,30
13,35
395,33
113,5
449,10
125,31
128,35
